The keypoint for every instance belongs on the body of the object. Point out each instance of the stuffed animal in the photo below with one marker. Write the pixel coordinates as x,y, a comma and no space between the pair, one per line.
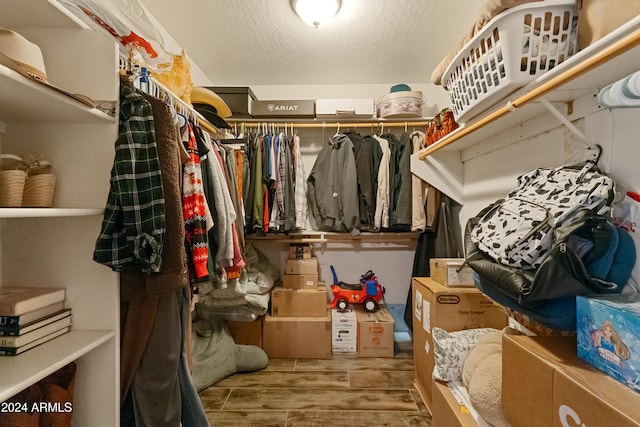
215,355
177,78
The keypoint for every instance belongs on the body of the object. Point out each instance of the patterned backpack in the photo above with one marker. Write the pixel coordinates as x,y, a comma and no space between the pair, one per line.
518,231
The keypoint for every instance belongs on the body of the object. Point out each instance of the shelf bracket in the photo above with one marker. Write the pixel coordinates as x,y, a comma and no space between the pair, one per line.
565,121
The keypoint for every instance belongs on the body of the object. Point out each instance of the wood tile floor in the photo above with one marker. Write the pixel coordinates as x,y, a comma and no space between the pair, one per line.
341,391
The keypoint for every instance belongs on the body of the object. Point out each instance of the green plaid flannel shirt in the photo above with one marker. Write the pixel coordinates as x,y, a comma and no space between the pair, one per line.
133,226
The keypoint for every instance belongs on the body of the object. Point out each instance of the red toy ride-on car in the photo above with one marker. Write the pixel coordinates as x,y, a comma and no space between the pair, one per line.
367,292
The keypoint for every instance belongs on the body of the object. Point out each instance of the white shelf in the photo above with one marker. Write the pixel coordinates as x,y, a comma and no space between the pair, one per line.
25,100
48,212
614,67
36,14
609,59
21,371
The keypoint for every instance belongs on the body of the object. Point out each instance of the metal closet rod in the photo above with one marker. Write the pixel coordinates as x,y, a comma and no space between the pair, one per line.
628,42
336,124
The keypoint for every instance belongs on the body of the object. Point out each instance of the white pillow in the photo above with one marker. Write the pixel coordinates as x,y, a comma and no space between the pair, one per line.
450,349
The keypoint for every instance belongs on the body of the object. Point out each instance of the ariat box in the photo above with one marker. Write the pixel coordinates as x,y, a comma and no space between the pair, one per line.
246,333
375,332
299,302
344,331
302,266
609,335
452,309
545,384
301,108
299,281
450,272
300,252
297,337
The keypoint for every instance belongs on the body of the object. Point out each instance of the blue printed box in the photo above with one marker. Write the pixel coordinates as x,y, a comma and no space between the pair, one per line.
608,328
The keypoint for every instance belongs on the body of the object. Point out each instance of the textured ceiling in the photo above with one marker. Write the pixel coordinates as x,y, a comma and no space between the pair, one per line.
263,42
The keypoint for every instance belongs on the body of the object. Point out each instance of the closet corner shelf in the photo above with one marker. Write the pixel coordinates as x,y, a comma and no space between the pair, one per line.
19,372
48,212
24,100
332,236
611,58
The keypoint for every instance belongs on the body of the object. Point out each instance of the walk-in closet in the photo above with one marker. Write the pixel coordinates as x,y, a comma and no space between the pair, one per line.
319,213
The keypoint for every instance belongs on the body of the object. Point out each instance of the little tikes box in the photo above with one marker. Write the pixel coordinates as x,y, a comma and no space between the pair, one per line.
608,329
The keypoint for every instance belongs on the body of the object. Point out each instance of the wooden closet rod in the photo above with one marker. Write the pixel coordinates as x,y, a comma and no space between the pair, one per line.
599,58
346,124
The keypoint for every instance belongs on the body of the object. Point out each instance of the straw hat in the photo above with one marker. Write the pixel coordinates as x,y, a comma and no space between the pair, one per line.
25,57
202,95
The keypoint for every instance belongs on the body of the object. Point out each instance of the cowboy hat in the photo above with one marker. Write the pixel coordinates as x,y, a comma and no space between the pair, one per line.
210,113
202,95
25,57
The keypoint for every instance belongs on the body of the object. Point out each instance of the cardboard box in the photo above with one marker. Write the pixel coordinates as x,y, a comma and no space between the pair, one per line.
302,266
452,309
297,337
302,251
238,98
344,331
608,335
299,302
447,411
544,383
375,333
445,271
301,108
337,108
299,281
246,333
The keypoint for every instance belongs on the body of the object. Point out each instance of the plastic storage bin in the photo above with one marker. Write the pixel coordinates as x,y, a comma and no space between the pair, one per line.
511,50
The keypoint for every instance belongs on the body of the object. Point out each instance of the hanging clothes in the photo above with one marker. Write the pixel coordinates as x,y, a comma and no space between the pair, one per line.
381,218
194,206
283,212
300,191
133,226
419,189
364,172
153,329
333,188
400,215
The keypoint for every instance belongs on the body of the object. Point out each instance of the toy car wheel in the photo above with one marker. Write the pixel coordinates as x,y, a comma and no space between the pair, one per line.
342,304
370,305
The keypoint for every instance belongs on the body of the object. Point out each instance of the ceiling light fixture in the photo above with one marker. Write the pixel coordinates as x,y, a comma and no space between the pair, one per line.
316,12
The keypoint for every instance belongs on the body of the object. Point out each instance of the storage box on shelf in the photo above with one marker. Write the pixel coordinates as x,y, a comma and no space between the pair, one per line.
238,98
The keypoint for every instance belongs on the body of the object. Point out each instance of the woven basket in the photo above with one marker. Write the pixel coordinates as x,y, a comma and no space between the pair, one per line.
38,191
11,188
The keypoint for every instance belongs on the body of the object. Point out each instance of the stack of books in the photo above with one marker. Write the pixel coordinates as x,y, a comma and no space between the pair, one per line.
31,316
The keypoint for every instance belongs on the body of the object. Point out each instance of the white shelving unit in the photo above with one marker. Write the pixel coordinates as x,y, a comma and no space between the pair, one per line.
54,247
571,87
